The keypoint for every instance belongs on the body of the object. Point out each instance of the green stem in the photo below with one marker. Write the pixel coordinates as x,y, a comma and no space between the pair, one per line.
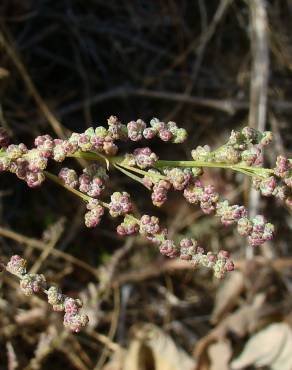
141,172
251,171
247,170
129,174
94,156
60,182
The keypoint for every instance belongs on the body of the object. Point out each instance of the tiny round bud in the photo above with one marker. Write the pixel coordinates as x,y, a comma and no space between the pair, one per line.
16,265
32,283
75,322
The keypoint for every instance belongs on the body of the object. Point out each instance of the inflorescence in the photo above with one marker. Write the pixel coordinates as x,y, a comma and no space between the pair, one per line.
36,283
243,152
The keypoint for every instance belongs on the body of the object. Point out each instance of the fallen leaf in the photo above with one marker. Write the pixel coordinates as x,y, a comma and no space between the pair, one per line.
245,319
152,348
219,355
227,295
241,322
271,347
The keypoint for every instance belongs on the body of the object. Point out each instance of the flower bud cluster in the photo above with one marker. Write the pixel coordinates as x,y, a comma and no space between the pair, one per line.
159,192
220,263
187,249
116,129
32,283
243,146
69,176
175,178
279,184
149,225
144,157
27,165
120,204
137,130
129,226
94,215
257,230
230,214
16,266
92,181
73,319
206,196
35,283
179,178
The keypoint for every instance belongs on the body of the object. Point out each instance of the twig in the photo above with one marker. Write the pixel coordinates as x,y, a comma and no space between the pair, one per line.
258,83
37,244
260,64
10,50
57,231
229,106
112,330
200,51
105,340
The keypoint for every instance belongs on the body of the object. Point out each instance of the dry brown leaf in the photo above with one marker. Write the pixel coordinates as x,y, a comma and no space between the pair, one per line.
116,362
227,295
154,349
12,361
245,319
271,347
241,322
220,354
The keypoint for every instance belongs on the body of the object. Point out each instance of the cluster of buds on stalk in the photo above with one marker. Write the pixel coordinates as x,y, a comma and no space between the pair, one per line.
243,152
187,249
244,147
31,284
278,184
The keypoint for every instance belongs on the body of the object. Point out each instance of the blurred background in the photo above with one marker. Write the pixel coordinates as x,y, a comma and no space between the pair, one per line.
211,66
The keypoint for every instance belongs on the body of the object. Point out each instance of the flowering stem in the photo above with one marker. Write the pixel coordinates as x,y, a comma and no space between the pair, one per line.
93,156
129,174
247,170
251,171
60,182
141,172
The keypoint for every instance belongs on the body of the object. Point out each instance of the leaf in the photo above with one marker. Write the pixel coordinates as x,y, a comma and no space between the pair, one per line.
241,322
245,319
227,295
153,349
271,346
219,354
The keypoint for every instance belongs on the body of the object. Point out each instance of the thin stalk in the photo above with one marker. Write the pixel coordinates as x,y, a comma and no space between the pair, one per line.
131,175
235,167
91,156
60,182
141,172
247,170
